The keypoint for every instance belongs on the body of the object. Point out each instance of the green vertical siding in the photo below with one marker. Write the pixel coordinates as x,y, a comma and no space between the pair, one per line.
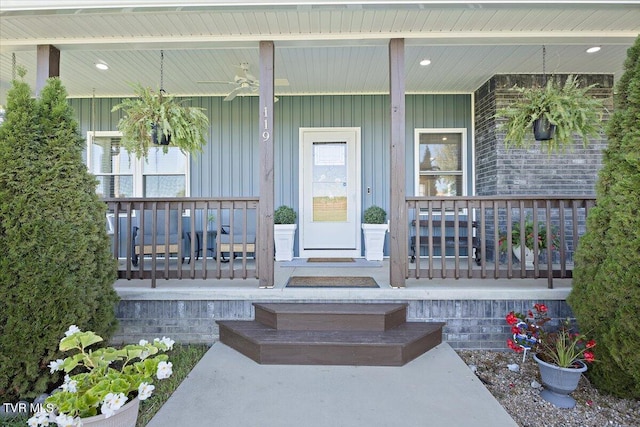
229,164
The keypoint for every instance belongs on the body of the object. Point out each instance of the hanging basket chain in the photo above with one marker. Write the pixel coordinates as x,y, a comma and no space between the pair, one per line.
544,65
161,72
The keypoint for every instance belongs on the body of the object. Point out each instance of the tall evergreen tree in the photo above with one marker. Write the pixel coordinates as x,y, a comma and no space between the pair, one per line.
606,285
56,268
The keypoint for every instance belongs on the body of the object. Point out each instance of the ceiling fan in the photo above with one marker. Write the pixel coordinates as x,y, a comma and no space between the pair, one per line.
243,81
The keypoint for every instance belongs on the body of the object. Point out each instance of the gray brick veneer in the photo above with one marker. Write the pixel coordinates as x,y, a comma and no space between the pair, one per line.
471,324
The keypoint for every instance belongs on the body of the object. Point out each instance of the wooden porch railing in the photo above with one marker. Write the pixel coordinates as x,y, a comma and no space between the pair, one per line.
184,238
558,221
216,238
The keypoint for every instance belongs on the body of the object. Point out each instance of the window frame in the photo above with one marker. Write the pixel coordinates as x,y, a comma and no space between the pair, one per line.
137,165
463,160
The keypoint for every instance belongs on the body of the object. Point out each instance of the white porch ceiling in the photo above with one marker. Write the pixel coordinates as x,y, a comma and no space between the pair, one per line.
321,47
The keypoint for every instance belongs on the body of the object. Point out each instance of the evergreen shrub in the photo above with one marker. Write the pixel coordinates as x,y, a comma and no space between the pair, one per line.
56,267
375,215
606,280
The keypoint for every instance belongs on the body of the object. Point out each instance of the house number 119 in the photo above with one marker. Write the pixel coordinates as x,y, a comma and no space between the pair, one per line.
265,134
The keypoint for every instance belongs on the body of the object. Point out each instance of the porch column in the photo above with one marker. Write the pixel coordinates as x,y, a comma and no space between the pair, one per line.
264,236
398,230
48,65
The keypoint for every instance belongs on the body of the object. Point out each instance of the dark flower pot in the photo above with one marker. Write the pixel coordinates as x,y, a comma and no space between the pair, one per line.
164,140
543,130
559,382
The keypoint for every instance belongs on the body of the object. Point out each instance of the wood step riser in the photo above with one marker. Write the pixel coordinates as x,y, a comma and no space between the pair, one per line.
337,319
272,351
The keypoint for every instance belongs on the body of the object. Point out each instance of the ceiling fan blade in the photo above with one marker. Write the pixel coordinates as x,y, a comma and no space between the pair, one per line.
233,94
215,82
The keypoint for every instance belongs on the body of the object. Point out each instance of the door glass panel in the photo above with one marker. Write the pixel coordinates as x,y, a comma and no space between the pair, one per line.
329,186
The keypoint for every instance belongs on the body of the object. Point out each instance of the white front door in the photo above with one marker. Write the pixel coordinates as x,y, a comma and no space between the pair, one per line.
329,192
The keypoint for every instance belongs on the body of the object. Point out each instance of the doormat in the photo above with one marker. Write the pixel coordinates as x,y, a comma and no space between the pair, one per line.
330,260
331,282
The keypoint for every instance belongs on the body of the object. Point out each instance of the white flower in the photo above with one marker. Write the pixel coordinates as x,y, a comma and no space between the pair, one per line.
69,385
144,354
72,330
111,403
143,342
145,390
56,365
164,370
166,341
40,418
64,420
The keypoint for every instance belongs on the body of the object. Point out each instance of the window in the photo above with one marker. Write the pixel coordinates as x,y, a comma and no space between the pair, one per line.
159,175
440,162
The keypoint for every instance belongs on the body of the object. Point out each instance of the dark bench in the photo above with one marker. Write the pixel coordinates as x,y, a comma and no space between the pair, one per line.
449,238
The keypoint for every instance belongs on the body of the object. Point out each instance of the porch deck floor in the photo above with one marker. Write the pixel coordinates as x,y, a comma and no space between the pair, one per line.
423,288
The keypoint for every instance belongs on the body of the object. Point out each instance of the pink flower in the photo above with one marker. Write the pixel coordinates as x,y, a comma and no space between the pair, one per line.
591,344
589,357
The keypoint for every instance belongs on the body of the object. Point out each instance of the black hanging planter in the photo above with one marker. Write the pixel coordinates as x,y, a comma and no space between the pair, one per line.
164,140
543,130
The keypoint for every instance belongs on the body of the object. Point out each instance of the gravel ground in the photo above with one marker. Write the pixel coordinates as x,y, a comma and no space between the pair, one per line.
518,392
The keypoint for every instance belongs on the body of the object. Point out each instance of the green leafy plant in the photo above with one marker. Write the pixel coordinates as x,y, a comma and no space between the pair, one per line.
528,236
375,215
185,126
568,107
284,215
561,347
107,377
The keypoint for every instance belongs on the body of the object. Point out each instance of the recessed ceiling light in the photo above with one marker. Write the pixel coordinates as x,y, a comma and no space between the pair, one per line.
101,65
593,49
425,62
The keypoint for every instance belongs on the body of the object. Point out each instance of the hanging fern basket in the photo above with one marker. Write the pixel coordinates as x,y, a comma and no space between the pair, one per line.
164,139
543,130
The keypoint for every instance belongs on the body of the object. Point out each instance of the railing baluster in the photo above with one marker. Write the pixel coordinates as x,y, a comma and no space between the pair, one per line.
456,240
509,242
483,233
549,244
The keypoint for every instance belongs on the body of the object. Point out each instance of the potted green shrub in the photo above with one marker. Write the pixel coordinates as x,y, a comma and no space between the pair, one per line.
516,240
374,229
158,116
284,231
560,111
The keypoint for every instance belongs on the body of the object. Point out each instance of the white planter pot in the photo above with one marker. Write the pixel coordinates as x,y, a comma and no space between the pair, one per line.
126,416
284,236
374,241
529,257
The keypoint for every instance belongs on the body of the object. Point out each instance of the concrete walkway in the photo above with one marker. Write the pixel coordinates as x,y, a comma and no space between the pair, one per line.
226,389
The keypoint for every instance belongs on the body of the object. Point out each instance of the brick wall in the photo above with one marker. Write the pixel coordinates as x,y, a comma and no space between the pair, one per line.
470,324
532,171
